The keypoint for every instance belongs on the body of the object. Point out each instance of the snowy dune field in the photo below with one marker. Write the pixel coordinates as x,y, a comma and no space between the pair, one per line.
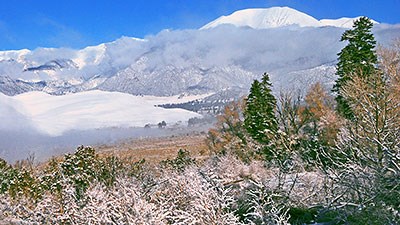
33,119
54,115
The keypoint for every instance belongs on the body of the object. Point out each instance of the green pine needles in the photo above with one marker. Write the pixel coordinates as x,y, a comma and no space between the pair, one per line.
259,116
358,58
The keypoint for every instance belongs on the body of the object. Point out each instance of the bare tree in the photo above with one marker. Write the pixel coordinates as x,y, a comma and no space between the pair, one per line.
366,166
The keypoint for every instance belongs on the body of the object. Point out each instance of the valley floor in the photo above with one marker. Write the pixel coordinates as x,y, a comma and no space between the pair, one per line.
156,149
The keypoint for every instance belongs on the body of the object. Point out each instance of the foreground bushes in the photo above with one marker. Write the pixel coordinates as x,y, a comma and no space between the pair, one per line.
84,188
220,190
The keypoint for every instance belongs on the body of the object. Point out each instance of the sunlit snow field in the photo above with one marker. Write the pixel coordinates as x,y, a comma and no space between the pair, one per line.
39,124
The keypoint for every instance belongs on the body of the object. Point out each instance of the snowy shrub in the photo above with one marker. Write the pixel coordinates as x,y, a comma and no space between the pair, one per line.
261,206
125,203
4,204
234,172
193,197
221,190
19,182
78,169
109,169
5,175
181,161
188,197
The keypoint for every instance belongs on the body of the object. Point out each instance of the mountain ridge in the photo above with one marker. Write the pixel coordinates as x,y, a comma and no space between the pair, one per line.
182,61
274,17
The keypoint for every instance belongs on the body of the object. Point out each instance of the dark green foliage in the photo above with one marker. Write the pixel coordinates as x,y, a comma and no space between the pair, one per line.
259,116
373,214
320,215
343,108
302,215
52,177
242,209
181,161
109,169
18,182
5,171
312,152
358,58
80,170
135,169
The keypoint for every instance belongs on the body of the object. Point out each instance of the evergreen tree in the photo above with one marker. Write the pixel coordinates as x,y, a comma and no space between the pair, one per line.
358,58
259,116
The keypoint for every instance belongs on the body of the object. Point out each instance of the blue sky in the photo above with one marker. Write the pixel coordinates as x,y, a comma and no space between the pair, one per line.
79,23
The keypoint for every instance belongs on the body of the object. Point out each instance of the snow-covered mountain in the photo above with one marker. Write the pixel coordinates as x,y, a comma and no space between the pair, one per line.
139,79
188,61
277,17
67,64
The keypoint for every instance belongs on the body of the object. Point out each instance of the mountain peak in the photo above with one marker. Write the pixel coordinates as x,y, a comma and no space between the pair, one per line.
263,18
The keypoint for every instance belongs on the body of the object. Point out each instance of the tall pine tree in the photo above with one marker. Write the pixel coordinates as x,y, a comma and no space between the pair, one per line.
259,115
358,58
